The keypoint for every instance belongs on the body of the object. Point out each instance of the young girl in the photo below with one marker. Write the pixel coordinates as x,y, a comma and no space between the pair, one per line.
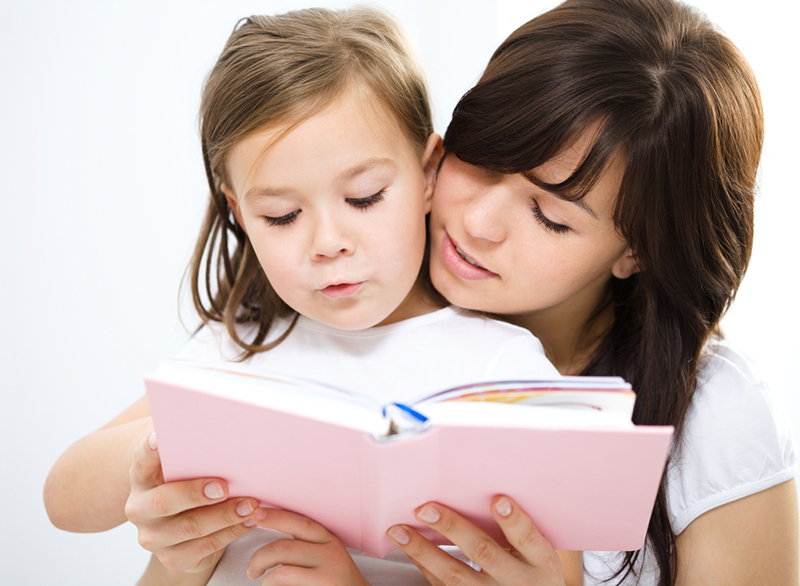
607,161
321,160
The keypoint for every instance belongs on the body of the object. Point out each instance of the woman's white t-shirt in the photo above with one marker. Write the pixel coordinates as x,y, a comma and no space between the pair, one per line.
735,443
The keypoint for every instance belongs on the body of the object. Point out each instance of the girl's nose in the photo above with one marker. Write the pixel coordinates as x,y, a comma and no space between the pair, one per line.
330,239
486,215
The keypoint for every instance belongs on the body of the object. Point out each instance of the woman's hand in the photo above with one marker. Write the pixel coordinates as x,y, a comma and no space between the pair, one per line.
532,560
187,524
315,557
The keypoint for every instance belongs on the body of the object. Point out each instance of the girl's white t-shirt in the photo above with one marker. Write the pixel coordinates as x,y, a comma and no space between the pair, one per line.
399,362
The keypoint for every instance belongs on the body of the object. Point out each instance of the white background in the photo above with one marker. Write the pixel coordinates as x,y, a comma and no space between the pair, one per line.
103,190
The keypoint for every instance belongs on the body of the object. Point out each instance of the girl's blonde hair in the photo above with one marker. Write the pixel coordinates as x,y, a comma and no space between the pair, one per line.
281,70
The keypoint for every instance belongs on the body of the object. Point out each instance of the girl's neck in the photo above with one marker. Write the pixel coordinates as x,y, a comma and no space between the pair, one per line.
419,301
569,332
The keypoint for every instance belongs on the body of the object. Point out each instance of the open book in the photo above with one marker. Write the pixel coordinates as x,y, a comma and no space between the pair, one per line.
564,449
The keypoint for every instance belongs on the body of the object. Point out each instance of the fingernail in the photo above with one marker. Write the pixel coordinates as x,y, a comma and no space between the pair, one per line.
244,508
429,514
249,523
151,441
399,535
503,507
213,490
260,514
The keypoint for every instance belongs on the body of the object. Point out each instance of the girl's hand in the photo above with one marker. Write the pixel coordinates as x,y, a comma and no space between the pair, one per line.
532,560
186,524
315,557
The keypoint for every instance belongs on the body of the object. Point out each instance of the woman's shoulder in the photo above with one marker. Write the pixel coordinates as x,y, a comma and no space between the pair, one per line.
730,394
720,361
736,440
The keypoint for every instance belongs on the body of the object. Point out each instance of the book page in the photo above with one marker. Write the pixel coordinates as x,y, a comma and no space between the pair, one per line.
280,392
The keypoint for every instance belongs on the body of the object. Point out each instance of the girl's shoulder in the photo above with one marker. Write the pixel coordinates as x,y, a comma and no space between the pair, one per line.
212,343
736,439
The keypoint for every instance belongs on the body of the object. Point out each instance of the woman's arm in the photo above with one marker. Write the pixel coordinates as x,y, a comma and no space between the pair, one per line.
753,540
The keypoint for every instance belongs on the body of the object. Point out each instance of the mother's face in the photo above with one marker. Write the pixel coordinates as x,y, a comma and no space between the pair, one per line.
502,245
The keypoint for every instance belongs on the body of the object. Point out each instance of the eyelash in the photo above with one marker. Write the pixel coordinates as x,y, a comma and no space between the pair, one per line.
361,203
283,220
547,223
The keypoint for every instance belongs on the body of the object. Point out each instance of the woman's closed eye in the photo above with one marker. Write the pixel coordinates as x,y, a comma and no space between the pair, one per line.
546,222
284,220
365,202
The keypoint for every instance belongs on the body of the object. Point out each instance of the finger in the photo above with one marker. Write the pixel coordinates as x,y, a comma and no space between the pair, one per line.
290,576
438,566
289,552
192,555
145,472
174,498
298,526
432,580
522,534
472,541
197,523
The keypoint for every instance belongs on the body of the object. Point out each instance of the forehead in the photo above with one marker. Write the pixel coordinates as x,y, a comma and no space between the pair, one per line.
354,130
561,166
602,196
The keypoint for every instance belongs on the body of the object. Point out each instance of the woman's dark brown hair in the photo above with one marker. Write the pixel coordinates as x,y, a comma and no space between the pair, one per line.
281,70
678,100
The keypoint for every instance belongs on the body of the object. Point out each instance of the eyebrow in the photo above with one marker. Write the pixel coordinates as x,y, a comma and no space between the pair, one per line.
581,204
370,164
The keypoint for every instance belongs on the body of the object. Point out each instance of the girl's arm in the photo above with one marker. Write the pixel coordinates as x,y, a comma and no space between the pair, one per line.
312,557
114,475
156,574
753,540
88,485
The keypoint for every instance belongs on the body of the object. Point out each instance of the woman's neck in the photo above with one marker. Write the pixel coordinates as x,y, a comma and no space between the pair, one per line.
570,333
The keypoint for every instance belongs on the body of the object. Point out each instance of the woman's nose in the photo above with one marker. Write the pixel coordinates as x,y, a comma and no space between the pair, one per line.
486,216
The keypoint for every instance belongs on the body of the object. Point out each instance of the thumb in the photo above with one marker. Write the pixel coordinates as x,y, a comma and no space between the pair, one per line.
146,471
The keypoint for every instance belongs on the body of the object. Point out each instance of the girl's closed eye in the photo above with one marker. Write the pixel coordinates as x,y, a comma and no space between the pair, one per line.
365,202
545,221
284,220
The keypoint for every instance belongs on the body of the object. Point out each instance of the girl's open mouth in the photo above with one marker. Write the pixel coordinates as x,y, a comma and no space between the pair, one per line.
340,290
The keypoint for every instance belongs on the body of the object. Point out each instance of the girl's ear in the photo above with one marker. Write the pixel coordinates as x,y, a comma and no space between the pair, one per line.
430,164
233,203
626,265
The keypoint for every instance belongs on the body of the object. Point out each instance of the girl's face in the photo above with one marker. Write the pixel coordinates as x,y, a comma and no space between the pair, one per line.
335,210
502,245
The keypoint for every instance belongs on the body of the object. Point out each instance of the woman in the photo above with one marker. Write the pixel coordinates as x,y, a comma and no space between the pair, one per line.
597,189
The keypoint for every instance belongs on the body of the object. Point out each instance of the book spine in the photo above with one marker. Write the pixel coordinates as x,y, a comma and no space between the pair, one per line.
396,477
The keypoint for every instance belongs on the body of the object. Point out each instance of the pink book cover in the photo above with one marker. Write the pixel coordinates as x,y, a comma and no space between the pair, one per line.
586,489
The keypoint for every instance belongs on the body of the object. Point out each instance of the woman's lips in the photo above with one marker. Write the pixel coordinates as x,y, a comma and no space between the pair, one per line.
340,290
456,263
